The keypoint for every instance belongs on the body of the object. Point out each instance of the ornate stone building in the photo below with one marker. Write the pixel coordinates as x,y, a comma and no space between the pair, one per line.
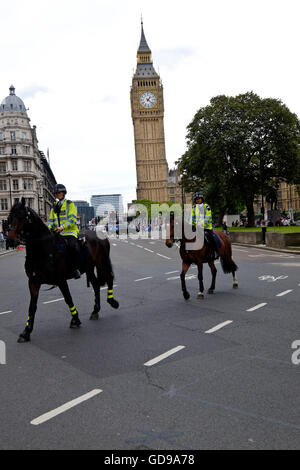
154,181
24,170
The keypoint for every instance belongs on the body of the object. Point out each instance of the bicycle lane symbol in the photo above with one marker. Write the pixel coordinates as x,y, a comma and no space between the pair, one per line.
269,278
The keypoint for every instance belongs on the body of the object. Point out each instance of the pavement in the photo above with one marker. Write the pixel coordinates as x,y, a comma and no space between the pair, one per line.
159,373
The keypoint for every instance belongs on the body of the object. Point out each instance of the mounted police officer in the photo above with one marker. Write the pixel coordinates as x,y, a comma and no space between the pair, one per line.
201,215
63,220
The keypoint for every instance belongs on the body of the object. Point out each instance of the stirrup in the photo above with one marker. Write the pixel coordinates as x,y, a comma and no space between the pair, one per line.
77,274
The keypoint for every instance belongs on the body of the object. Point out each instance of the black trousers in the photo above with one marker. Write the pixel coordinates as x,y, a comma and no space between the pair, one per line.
73,250
211,238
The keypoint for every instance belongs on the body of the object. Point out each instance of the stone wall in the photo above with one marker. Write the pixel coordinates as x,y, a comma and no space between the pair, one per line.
249,238
282,240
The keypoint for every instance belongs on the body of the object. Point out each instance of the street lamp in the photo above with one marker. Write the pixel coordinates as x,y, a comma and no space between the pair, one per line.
262,188
10,195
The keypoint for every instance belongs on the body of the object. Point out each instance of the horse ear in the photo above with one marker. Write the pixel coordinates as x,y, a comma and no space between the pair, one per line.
23,201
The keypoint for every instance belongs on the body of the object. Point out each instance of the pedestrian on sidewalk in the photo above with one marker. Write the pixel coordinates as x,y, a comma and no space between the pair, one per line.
263,229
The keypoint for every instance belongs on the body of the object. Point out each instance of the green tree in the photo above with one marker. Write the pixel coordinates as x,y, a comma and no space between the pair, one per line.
240,146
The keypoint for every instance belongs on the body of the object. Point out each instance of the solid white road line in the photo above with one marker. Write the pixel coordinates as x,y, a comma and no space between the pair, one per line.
284,293
51,301
172,272
142,279
163,256
147,249
218,327
163,356
8,311
256,307
61,409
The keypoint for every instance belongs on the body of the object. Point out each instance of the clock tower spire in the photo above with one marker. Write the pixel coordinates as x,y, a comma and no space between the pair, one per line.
147,111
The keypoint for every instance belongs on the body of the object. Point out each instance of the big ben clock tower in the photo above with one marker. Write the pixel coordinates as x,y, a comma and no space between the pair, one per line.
147,110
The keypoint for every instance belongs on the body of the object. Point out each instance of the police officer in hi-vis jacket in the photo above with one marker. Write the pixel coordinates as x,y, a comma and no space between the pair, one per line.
201,215
63,220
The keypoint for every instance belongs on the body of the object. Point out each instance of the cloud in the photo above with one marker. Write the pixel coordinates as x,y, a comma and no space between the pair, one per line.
175,56
31,91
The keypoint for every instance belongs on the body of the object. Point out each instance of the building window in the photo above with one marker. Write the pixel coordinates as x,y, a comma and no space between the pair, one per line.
26,149
3,185
27,165
3,205
1,136
171,190
172,199
24,135
16,200
14,150
28,183
12,135
15,185
2,167
2,150
14,165
29,202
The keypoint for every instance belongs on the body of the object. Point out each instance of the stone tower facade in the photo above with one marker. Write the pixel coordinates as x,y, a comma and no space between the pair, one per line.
147,110
24,169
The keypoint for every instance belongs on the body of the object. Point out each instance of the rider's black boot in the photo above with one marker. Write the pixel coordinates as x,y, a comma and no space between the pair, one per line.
77,274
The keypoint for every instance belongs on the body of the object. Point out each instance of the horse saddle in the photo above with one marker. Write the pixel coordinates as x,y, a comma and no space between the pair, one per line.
212,239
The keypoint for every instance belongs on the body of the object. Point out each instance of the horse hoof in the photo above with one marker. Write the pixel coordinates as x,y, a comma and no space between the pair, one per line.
75,323
210,291
24,338
235,286
94,316
113,303
200,296
186,295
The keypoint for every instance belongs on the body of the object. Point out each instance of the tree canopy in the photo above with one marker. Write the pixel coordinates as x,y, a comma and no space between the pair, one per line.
239,148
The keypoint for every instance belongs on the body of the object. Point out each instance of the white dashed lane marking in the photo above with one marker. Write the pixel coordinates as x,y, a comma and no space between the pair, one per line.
284,293
51,301
67,406
8,311
256,307
163,356
218,327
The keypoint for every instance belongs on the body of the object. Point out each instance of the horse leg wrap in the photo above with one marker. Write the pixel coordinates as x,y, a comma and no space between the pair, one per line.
111,300
75,322
110,294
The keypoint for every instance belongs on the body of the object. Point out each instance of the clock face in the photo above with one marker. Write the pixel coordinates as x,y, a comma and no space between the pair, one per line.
148,99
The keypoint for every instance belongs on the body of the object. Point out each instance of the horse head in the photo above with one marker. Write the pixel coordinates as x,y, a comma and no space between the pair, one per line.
173,230
18,219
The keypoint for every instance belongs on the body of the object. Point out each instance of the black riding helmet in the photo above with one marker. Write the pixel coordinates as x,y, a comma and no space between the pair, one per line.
58,188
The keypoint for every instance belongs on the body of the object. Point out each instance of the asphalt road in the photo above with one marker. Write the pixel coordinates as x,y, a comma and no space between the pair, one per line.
227,380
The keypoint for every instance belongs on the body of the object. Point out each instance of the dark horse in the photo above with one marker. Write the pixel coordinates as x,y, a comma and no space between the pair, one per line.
48,262
204,254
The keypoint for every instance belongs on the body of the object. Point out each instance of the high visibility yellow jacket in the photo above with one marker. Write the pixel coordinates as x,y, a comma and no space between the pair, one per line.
66,218
202,216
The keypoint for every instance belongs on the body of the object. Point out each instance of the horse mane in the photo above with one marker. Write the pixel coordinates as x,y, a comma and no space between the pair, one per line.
37,220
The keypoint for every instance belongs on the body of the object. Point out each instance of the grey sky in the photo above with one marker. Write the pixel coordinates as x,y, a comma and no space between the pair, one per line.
72,62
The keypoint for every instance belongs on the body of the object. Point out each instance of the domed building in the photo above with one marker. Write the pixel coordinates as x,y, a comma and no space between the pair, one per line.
24,169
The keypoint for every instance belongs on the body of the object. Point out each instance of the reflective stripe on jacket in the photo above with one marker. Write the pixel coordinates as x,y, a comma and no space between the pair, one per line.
67,218
202,216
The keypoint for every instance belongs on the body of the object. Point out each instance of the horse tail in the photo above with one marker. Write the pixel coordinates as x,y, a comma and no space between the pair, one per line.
227,263
99,251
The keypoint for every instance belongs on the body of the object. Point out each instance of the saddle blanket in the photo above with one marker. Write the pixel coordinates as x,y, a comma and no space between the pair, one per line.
217,238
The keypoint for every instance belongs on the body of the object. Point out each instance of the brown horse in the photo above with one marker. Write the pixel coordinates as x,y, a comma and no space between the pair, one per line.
205,254
48,262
